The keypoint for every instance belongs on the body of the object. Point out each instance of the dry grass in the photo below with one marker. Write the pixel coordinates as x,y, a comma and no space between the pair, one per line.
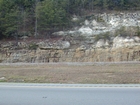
64,73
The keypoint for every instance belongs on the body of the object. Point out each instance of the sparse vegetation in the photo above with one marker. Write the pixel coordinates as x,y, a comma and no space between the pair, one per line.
138,31
99,19
122,32
33,46
46,16
128,31
105,36
63,73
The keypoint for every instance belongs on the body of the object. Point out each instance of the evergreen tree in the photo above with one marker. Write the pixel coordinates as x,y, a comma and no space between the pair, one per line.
51,16
18,17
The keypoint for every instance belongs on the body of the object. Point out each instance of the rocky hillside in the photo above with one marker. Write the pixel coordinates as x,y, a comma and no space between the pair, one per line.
96,38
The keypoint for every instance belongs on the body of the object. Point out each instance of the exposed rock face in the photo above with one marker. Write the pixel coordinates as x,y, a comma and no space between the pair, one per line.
56,45
81,44
122,49
85,31
93,55
126,42
101,23
102,43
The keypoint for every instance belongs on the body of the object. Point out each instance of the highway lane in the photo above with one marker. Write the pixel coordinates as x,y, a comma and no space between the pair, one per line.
69,94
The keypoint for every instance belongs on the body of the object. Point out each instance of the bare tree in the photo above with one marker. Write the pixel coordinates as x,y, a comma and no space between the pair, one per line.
36,18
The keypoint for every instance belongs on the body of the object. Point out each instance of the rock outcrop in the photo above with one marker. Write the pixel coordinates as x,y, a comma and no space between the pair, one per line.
101,23
126,42
87,43
122,49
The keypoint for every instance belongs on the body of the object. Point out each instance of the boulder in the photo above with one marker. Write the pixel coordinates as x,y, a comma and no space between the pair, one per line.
120,41
3,79
86,22
59,33
102,43
86,31
136,38
24,37
75,18
65,44
73,33
94,23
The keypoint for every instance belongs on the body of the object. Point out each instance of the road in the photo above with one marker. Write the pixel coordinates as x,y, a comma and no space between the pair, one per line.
68,94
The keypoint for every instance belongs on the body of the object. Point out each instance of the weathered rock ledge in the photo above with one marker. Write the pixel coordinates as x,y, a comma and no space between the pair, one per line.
123,49
90,42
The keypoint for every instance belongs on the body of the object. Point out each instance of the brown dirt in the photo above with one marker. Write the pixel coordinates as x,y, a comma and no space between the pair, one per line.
64,73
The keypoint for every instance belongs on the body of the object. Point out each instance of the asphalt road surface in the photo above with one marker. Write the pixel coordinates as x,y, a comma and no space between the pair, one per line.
69,94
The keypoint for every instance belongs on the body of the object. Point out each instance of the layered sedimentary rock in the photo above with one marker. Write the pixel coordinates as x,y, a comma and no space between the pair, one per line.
81,44
123,49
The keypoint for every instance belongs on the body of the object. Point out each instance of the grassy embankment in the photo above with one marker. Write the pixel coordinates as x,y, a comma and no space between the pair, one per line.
64,73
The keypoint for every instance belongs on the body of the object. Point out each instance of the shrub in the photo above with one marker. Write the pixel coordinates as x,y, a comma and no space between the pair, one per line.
105,36
33,46
99,19
138,31
128,31
122,32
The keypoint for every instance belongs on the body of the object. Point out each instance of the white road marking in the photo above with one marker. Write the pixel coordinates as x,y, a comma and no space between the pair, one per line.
69,85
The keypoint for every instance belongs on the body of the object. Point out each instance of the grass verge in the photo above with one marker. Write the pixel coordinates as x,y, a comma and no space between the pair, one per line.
64,73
